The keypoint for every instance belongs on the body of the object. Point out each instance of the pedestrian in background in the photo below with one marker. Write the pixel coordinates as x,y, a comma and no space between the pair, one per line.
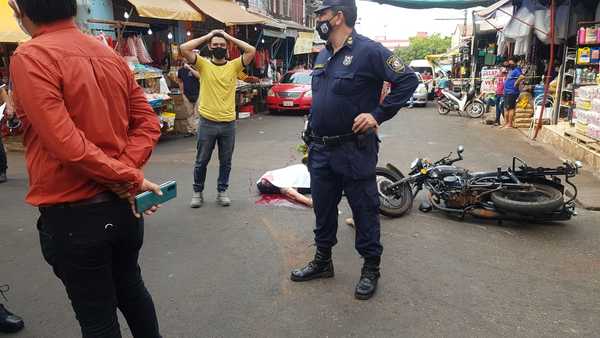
511,89
88,132
9,112
188,80
500,95
347,82
217,107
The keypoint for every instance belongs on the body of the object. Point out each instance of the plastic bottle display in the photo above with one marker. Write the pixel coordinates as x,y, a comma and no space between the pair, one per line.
590,34
581,35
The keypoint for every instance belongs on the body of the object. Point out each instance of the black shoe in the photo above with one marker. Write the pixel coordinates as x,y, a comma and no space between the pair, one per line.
367,285
3,177
9,323
320,267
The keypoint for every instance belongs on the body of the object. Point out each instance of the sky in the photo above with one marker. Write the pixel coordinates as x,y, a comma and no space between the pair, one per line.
403,23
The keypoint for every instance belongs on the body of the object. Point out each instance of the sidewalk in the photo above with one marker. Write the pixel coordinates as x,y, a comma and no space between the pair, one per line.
588,185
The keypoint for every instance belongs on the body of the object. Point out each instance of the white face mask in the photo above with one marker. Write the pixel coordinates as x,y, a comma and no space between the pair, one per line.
18,18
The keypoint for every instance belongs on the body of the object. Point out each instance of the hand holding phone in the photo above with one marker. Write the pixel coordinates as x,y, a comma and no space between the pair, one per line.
150,200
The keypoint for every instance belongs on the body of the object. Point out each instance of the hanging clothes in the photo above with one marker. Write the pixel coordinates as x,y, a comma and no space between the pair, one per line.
141,51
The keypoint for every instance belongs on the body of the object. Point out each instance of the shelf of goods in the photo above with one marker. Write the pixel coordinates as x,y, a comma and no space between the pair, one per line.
587,114
149,79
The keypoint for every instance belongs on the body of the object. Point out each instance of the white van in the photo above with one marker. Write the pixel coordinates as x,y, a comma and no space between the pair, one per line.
422,66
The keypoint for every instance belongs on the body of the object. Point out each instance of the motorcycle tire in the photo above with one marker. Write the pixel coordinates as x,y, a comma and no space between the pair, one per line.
392,206
543,199
475,109
442,110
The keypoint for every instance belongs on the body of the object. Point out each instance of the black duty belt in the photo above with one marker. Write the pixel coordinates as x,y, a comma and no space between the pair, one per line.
333,140
102,197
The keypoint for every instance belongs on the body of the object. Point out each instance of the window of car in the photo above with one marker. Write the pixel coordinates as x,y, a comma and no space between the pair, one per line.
297,78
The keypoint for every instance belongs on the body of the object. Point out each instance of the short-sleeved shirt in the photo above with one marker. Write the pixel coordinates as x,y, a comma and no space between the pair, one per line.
219,83
509,84
191,85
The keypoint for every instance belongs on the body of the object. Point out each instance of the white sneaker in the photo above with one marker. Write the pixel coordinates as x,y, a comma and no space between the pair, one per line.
223,199
197,200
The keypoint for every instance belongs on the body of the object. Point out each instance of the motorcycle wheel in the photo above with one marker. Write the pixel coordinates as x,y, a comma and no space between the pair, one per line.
442,110
542,199
475,109
392,206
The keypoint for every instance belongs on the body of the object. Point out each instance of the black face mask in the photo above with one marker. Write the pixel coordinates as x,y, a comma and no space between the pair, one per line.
219,53
324,29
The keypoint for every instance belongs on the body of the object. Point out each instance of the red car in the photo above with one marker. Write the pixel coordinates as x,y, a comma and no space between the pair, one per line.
292,93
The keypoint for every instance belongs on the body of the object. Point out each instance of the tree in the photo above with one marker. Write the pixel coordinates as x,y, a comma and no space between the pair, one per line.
422,46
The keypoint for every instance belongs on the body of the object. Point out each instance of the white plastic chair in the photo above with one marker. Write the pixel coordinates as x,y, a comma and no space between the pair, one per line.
537,111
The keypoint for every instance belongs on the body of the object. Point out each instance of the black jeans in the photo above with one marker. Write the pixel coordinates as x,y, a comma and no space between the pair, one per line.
3,165
94,251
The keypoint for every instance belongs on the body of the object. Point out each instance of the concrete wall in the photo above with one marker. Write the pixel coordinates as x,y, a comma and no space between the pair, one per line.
96,9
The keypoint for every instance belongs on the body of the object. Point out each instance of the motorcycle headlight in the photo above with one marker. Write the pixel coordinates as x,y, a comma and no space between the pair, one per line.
415,164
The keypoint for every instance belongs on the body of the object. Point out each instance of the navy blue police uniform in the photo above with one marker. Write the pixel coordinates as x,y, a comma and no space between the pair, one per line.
344,85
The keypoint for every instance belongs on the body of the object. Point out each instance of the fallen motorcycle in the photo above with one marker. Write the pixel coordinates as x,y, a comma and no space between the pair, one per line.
519,193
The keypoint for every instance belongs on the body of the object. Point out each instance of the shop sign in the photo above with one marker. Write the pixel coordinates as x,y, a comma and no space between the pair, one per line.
489,79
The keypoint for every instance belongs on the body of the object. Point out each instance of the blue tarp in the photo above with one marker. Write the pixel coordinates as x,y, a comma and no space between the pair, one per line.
422,4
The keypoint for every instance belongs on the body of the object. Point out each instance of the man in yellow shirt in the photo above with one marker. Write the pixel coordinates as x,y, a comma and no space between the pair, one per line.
217,107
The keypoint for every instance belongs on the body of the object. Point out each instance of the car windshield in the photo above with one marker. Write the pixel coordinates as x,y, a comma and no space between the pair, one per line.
297,78
422,70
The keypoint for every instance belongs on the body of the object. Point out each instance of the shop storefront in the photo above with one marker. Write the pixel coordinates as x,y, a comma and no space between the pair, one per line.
10,36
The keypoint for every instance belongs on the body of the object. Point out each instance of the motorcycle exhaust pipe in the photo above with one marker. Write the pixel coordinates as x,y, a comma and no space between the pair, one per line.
484,213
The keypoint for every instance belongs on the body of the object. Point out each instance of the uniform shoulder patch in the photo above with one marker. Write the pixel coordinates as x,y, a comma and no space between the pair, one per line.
395,64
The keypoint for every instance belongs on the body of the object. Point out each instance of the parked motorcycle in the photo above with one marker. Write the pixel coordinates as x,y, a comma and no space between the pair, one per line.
517,193
464,103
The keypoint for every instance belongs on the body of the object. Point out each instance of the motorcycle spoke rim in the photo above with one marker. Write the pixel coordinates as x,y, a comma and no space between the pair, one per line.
387,200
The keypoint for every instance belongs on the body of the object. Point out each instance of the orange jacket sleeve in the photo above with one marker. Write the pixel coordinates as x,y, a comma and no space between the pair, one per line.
144,128
38,90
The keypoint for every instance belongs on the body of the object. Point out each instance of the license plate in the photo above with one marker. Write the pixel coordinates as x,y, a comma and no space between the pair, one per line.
288,103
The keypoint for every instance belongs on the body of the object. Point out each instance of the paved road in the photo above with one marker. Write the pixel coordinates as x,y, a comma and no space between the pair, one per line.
218,272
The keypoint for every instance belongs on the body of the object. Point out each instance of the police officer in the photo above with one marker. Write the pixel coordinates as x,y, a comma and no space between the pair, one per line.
342,131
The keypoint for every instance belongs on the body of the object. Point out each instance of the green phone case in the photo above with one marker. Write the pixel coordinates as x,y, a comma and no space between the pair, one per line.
146,200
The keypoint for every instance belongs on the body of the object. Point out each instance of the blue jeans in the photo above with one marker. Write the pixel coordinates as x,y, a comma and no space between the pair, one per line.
499,107
210,134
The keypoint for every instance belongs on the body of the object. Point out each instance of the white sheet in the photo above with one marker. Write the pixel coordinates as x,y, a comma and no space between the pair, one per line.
295,176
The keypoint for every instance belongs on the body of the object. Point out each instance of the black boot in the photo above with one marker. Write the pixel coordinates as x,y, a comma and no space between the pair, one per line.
9,323
365,289
320,267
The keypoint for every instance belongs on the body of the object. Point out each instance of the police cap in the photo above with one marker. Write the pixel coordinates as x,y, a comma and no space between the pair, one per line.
335,3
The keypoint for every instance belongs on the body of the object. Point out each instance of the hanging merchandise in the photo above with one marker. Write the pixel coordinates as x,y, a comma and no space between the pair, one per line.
131,47
233,51
141,51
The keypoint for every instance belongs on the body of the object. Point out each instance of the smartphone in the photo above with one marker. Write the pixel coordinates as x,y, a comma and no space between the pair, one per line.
148,199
